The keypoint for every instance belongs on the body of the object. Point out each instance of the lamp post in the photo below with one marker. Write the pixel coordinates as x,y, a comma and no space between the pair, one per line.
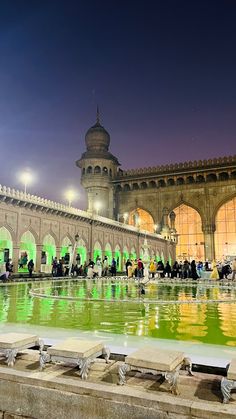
26,178
73,253
97,206
70,195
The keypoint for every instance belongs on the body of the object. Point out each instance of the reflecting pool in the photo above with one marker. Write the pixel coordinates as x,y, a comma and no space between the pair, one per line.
188,312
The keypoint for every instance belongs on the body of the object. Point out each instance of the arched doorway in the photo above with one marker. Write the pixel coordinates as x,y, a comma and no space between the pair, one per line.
5,245
188,225
118,257
97,252
66,250
225,234
81,254
108,253
142,219
48,253
27,250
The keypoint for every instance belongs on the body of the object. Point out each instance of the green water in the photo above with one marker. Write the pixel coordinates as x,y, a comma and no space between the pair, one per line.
164,311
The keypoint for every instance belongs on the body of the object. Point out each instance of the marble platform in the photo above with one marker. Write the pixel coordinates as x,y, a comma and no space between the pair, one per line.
76,351
12,343
157,362
229,383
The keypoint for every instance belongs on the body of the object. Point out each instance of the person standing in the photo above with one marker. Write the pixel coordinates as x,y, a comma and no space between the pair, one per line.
234,269
113,267
30,267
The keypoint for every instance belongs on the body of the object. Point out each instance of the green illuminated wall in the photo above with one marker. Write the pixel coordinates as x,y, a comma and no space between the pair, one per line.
5,243
50,250
108,253
97,253
64,250
118,260
81,250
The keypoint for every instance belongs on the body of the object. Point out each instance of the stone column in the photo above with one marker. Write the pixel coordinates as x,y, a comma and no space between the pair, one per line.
15,257
209,241
39,248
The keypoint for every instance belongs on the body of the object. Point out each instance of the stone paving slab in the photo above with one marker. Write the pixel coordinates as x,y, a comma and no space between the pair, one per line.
156,359
14,340
75,348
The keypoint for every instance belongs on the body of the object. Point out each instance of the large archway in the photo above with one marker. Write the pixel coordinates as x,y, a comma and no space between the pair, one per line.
27,250
225,234
5,245
142,219
188,225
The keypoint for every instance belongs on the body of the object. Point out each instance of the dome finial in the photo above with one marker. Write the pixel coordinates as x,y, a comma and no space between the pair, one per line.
98,116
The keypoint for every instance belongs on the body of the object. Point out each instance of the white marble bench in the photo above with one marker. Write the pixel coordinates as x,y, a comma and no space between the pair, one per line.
229,383
79,352
158,362
12,343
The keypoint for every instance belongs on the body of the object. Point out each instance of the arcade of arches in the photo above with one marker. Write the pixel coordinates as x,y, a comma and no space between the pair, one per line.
188,226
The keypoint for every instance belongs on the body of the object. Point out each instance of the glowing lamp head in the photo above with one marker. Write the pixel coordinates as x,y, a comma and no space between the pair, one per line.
97,205
26,177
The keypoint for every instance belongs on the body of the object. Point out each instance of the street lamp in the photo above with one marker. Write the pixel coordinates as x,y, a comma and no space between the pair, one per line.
97,206
70,195
26,178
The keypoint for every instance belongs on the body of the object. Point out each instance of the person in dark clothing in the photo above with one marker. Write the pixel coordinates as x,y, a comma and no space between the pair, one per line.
30,267
194,274
167,269
128,263
160,268
113,267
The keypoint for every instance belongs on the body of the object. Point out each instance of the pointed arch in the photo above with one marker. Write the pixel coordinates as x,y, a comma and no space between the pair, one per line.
53,235
49,249
66,248
140,217
5,244
27,249
108,253
81,251
188,224
225,232
97,250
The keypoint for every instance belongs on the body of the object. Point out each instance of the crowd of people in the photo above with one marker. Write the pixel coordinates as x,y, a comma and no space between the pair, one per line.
88,269
134,268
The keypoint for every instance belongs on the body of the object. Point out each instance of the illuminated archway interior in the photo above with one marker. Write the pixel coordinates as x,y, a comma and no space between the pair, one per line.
5,245
97,253
225,234
141,218
189,228
27,250
49,249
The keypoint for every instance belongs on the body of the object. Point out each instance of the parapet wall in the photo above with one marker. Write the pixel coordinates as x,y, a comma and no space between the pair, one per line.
30,395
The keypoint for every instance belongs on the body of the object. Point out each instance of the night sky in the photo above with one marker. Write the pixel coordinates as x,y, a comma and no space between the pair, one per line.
162,72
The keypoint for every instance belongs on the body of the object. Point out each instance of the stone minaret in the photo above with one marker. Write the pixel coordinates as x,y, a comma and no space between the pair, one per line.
98,168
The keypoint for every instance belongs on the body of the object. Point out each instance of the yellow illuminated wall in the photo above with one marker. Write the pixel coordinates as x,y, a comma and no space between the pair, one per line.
141,218
191,239
225,235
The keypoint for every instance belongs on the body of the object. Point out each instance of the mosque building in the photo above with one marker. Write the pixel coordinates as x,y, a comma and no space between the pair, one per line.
185,211
195,200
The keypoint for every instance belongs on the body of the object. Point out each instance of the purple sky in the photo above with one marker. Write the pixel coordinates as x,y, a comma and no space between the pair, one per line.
162,72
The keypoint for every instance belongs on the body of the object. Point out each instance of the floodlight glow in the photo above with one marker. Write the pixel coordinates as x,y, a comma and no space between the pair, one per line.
70,195
26,178
97,206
